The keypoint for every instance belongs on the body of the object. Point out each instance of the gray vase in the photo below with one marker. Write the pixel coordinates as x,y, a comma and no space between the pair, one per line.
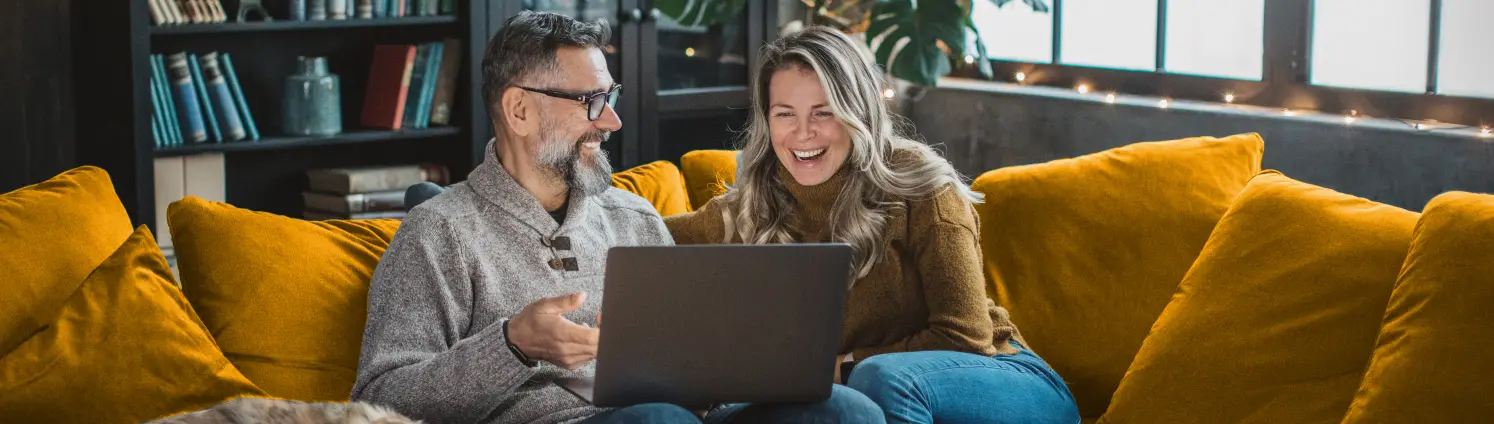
313,99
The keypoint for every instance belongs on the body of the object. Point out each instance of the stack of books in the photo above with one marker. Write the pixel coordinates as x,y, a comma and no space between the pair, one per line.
365,192
198,100
411,86
178,12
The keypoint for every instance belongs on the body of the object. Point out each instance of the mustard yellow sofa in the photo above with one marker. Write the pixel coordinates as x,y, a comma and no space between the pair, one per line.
1167,282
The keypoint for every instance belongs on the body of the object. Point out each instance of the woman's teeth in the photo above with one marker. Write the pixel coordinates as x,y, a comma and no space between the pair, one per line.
807,155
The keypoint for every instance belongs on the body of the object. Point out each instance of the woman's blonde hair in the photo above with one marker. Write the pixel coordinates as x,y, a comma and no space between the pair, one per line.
884,167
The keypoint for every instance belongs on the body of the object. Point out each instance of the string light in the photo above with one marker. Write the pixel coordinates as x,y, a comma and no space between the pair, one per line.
1486,132
1020,76
1082,88
1164,103
1110,97
1348,119
1288,112
889,93
1229,98
689,52
1421,126
969,60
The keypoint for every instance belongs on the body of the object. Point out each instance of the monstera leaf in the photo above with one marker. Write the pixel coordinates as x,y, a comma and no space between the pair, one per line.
924,24
692,13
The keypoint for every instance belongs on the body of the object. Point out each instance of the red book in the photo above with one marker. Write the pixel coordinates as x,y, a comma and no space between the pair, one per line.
388,84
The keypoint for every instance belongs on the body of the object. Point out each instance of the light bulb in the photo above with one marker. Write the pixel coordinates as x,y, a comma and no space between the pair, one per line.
1229,97
1021,76
1164,103
1288,112
1348,119
1082,88
1421,126
1109,97
1486,132
889,93
689,52
969,60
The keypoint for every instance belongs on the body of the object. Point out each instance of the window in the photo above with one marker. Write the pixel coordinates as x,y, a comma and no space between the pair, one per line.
1014,31
1371,44
1216,38
1119,34
1465,63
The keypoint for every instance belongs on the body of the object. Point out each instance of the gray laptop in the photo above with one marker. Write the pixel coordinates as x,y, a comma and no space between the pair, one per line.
707,324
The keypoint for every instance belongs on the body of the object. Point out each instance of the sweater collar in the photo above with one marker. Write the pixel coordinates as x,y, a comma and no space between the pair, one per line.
495,185
813,203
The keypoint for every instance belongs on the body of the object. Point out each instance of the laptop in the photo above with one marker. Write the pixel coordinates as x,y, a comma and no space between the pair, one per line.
707,324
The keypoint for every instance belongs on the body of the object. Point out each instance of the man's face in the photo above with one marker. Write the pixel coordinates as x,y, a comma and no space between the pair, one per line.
569,146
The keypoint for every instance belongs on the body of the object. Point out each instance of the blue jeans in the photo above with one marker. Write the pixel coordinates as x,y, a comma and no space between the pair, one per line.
647,413
844,406
955,387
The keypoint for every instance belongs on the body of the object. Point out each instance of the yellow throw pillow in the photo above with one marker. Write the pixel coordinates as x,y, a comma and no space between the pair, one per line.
53,234
708,173
1086,252
285,298
1432,360
660,183
1277,319
124,348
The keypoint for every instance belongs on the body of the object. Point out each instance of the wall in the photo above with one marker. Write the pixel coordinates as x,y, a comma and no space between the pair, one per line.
36,121
985,126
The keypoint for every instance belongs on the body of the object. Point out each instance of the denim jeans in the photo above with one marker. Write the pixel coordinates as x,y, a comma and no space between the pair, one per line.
647,413
844,406
956,387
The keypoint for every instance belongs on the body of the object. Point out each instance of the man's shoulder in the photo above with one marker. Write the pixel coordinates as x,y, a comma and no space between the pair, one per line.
616,200
456,202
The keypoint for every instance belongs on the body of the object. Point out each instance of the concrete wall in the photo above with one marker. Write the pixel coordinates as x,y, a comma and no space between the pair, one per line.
985,126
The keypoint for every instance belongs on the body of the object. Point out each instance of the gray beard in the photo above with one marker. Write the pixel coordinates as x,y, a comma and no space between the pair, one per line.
589,172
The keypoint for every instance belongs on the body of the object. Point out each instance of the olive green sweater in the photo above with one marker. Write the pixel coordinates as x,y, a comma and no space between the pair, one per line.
925,293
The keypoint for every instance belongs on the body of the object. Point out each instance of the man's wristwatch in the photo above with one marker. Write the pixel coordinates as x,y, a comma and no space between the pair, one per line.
515,349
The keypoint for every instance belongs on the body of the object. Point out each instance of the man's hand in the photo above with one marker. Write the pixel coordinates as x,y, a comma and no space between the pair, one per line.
543,334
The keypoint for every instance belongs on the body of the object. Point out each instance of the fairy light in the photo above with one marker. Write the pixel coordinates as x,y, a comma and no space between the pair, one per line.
889,93
1486,132
1020,76
1229,98
689,52
1421,126
1164,103
969,59
1082,88
1349,119
1110,98
1288,112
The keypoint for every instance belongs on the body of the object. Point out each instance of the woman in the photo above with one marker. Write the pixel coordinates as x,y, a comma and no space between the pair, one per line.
821,162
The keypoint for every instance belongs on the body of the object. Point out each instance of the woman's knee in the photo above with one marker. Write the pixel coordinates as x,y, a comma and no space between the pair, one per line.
879,375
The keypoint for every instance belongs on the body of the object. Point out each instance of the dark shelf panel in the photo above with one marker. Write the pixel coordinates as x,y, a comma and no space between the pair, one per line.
279,143
300,25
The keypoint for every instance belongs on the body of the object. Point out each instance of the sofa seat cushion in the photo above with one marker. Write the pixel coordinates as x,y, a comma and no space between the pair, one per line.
1431,363
660,183
708,173
1277,319
124,347
1086,251
52,235
286,299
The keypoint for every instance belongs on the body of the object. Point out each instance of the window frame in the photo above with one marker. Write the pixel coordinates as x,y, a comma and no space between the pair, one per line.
1284,80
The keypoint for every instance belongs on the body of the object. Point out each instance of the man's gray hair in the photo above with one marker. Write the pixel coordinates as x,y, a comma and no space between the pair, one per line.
526,46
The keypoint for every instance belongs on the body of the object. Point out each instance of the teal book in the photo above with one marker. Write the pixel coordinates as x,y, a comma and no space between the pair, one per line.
238,97
432,69
448,7
221,98
174,125
157,120
417,82
210,118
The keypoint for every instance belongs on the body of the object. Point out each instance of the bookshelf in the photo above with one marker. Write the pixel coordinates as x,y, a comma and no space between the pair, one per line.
113,44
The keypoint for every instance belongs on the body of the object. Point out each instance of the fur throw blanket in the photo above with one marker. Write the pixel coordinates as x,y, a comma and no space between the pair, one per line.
276,411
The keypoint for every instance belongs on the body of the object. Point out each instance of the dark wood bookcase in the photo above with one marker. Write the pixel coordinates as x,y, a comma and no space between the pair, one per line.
113,42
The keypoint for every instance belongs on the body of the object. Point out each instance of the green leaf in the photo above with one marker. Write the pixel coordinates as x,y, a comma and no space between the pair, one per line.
700,13
1036,5
922,24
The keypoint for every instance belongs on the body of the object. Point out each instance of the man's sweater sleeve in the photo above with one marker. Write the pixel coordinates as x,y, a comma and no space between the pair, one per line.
419,354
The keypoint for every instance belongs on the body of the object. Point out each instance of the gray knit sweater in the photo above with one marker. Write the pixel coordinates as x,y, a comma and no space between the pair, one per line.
462,264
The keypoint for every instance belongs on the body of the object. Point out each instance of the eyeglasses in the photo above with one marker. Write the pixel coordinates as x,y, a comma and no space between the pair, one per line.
593,102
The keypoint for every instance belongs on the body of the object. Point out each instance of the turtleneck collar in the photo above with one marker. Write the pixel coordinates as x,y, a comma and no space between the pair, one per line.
812,203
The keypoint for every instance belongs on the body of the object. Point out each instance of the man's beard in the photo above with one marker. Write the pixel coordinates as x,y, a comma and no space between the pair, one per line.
583,170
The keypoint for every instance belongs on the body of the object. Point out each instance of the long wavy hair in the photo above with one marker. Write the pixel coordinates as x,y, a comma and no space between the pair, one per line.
885,167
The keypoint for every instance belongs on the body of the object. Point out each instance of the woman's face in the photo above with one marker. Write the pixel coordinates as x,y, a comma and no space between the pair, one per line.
807,137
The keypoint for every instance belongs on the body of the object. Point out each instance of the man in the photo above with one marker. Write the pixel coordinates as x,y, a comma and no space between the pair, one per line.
490,291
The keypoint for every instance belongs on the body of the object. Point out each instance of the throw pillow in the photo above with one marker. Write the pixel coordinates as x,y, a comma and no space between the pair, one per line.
659,183
1086,251
286,299
1277,319
708,173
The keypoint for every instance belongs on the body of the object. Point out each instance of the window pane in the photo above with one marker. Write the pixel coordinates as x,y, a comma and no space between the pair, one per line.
1109,33
1465,63
1371,44
1014,31
1217,38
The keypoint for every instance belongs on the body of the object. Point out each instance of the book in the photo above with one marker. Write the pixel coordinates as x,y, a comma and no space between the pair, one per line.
231,127
451,58
171,185
428,87
157,118
380,8
365,9
448,7
238,97
432,8
156,17
173,125
388,85
173,12
189,113
337,9
416,86
323,216
316,10
374,178
204,176
389,200
210,117
218,10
